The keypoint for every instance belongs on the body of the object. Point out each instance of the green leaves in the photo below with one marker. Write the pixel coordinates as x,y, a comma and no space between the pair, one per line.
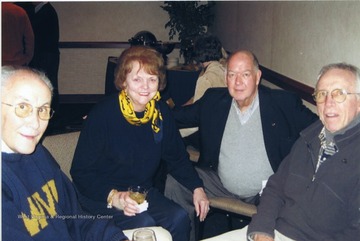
188,19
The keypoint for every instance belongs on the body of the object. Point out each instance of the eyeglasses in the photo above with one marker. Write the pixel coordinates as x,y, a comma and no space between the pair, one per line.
339,95
23,110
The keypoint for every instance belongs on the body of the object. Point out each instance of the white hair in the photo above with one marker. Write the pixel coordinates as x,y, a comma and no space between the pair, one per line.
344,66
8,71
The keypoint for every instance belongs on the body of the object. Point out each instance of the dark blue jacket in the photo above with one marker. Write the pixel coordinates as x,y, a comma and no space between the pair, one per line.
283,116
112,153
40,203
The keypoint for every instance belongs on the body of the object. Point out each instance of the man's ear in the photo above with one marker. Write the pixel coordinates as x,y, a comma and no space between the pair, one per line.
258,76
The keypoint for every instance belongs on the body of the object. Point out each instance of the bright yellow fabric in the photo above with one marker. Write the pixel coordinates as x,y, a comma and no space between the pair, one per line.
151,112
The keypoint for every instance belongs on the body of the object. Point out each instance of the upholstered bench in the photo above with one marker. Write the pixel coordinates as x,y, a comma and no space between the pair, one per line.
62,147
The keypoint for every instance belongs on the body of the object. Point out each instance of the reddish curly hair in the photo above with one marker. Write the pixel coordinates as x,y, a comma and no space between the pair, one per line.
149,59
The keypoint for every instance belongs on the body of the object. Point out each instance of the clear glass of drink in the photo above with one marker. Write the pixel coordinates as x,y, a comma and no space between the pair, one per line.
138,193
144,234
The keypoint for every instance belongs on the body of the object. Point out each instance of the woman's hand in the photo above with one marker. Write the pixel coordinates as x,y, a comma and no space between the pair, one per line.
122,201
201,203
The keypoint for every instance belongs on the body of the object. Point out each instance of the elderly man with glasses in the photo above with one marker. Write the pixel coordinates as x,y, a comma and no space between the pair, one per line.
315,194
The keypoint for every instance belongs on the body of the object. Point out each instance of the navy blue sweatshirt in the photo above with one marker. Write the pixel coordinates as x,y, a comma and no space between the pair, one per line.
39,202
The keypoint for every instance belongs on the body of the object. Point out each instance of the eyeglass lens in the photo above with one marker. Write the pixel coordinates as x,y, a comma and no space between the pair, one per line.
339,95
24,110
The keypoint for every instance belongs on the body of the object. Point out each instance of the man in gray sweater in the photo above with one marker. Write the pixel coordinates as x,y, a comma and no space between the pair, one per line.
245,132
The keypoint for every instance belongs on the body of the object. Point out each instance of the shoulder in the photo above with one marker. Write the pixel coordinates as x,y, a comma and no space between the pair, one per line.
312,130
107,105
166,112
109,100
164,107
215,65
105,115
288,103
276,93
45,156
218,91
13,10
215,68
280,96
216,94
48,10
217,97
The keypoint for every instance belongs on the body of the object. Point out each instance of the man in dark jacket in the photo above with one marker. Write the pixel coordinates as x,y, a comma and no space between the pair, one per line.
245,132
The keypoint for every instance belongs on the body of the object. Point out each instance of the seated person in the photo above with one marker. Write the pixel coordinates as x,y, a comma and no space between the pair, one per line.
315,194
123,142
245,132
39,202
210,54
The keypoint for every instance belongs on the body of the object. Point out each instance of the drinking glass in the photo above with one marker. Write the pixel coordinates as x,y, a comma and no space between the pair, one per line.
138,193
144,234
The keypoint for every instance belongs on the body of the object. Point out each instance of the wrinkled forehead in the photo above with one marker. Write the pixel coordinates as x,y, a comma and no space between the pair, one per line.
337,78
25,83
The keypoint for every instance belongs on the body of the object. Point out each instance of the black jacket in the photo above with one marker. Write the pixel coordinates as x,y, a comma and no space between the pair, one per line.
283,116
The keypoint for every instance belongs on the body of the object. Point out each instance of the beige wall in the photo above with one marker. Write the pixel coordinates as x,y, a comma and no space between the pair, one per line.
293,38
82,71
110,21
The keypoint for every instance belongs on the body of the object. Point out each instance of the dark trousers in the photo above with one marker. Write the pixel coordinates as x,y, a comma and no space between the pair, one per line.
161,212
213,188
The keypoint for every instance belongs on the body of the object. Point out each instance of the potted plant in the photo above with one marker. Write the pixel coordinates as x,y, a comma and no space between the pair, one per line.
188,19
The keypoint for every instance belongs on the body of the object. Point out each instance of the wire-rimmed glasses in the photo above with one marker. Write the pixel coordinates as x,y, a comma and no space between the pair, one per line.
338,95
23,110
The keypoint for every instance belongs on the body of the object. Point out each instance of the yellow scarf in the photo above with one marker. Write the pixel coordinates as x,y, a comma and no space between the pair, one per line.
151,112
